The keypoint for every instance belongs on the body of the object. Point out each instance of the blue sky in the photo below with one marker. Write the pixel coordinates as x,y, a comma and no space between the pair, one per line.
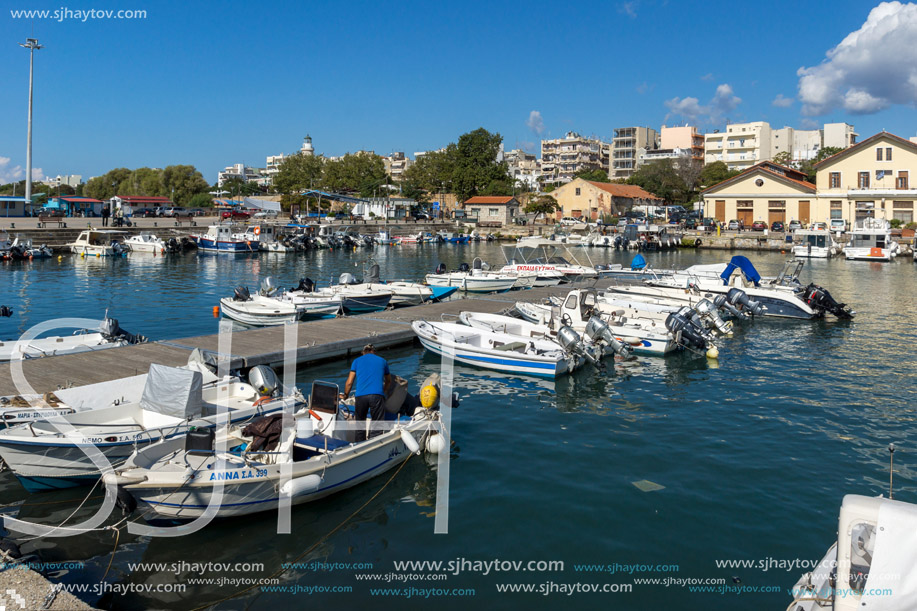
215,83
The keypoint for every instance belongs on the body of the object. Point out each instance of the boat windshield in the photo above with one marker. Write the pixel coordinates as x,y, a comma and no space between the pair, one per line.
816,241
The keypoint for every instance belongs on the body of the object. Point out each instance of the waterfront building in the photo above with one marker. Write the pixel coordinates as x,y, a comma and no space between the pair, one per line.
11,205
396,165
767,192
626,148
133,203
596,200
562,158
741,146
384,207
71,205
492,211
242,172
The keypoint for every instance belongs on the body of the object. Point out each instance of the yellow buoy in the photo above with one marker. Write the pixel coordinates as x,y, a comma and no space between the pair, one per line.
429,396
713,352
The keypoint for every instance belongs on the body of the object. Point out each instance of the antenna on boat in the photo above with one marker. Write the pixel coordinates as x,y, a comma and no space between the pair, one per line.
891,468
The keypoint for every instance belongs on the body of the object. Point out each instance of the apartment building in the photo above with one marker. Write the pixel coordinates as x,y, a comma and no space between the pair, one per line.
686,138
242,172
626,148
396,164
71,180
804,144
523,167
562,158
741,146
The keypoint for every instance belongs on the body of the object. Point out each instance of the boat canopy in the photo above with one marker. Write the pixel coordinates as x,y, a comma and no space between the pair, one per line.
638,262
260,204
743,264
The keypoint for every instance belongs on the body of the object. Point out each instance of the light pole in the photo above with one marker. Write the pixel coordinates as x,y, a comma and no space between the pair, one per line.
32,45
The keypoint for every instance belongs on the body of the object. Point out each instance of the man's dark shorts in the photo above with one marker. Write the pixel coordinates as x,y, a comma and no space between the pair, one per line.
375,406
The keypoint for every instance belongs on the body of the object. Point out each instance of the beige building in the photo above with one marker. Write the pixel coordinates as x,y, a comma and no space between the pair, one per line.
524,168
396,164
492,211
804,144
741,146
870,179
562,158
765,192
595,200
686,138
629,145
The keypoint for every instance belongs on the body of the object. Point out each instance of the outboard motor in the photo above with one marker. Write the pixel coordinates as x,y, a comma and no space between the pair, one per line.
6,311
695,319
572,343
464,267
264,380
117,247
720,301
110,329
440,269
684,331
374,276
597,330
737,297
820,299
268,288
242,294
305,285
706,310
347,278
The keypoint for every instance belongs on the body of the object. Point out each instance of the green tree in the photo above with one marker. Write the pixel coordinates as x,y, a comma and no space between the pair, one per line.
716,172
826,152
298,173
360,172
477,170
201,200
663,180
783,158
114,182
413,190
594,175
233,186
433,171
181,182
543,205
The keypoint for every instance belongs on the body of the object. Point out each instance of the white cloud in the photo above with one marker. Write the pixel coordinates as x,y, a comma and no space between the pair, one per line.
629,9
870,70
723,102
707,77
535,123
16,173
782,102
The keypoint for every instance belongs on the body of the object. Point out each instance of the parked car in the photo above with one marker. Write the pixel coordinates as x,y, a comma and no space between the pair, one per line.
690,223
838,225
777,226
759,226
735,225
708,224
158,210
145,212
794,225
819,226
340,216
174,211
236,215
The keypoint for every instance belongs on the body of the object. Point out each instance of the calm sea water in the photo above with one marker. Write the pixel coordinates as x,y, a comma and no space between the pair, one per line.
754,453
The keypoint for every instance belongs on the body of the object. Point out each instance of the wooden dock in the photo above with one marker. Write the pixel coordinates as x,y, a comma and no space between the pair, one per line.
318,340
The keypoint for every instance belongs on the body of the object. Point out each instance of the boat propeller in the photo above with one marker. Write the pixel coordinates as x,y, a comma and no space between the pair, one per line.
708,311
597,330
737,297
572,343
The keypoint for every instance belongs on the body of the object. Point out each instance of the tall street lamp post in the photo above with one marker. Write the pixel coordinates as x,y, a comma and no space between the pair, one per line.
32,45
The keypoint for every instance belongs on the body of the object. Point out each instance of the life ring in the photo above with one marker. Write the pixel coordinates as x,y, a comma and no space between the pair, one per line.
257,230
261,400
697,242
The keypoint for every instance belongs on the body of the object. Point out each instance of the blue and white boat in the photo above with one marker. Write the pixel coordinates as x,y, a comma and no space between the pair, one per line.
500,351
453,238
220,238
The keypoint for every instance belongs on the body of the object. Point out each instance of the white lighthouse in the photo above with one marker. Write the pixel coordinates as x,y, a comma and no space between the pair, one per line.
307,146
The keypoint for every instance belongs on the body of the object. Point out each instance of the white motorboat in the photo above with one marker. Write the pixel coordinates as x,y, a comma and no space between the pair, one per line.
475,280
416,238
145,242
98,243
501,351
261,309
815,244
783,296
267,238
353,298
170,401
109,335
22,249
542,255
239,474
871,240
221,238
384,238
403,293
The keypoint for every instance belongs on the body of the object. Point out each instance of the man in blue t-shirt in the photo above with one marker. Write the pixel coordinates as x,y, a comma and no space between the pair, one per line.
373,378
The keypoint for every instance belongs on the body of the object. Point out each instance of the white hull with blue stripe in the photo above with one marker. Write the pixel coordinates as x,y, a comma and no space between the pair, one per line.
493,350
220,238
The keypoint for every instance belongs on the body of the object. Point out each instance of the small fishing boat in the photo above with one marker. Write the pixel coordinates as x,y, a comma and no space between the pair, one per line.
403,293
23,250
351,298
266,236
502,351
108,335
417,238
262,309
384,238
168,402
145,242
469,280
871,240
98,243
221,238
453,238
241,471
543,256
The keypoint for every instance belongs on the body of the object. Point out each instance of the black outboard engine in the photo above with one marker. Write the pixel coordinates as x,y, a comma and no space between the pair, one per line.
242,294
305,285
694,318
684,331
737,297
440,269
464,267
820,300
17,252
110,329
6,311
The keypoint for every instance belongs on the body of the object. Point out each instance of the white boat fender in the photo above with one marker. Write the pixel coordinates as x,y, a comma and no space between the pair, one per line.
410,442
436,443
301,485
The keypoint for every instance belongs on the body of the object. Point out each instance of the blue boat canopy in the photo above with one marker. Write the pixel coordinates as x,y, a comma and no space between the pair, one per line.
743,264
638,262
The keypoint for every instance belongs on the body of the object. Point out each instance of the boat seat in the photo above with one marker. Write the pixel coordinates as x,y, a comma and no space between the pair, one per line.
511,346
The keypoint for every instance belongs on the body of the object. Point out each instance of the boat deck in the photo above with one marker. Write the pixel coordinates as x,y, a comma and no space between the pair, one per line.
318,340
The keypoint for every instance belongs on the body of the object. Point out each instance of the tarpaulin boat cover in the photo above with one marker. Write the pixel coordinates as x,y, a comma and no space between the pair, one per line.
173,391
891,585
638,262
260,204
743,264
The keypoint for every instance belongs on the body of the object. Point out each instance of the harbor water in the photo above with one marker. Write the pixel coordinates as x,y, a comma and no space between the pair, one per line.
676,483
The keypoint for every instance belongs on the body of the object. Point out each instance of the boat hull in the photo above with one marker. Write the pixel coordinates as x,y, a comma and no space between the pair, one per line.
260,317
210,245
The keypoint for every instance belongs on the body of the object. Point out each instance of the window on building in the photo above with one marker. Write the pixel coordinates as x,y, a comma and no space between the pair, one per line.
577,190
902,179
493,211
903,211
776,204
837,209
863,180
878,154
745,203
888,154
834,180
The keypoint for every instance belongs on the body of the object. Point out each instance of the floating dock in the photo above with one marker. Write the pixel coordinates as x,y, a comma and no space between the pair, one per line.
318,340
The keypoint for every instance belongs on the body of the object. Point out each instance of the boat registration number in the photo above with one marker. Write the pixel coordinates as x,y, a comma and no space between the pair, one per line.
222,476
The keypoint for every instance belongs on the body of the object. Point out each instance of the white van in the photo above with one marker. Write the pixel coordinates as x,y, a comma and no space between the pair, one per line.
837,225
